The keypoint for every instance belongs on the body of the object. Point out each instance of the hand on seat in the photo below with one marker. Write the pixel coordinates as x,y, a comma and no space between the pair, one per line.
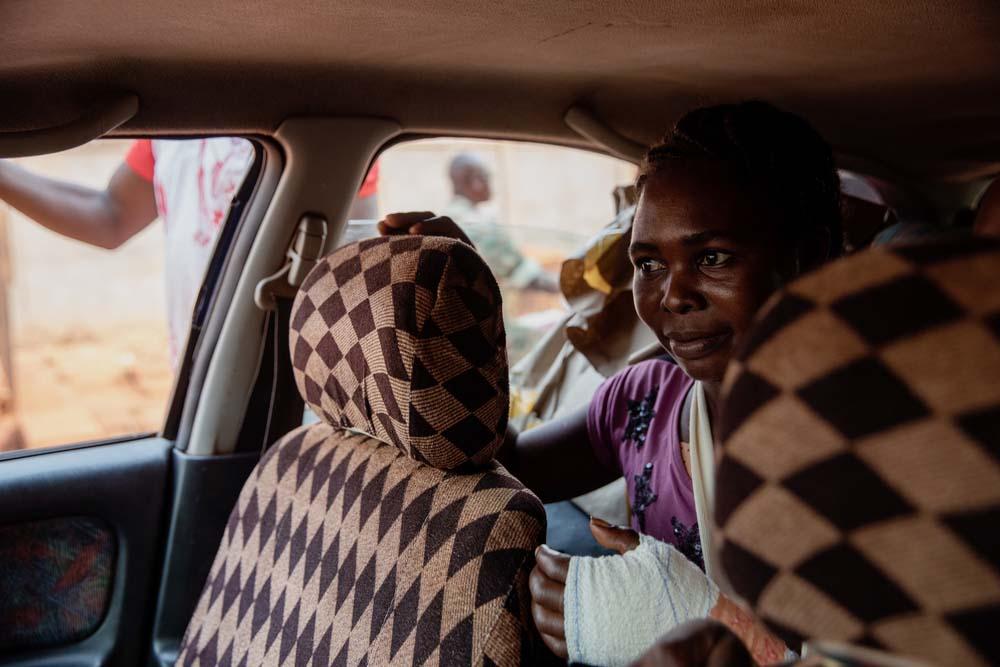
423,223
548,582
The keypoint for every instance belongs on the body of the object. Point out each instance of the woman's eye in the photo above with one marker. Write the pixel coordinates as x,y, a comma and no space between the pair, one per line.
714,258
648,266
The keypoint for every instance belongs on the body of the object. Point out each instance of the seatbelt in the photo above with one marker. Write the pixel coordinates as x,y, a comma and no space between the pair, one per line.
284,410
274,390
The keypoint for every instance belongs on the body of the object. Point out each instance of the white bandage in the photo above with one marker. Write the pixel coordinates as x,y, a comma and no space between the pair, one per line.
616,607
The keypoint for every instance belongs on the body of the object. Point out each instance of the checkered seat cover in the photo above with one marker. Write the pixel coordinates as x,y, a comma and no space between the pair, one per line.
858,495
412,547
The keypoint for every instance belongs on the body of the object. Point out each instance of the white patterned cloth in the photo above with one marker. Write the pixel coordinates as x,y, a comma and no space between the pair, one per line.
616,607
194,181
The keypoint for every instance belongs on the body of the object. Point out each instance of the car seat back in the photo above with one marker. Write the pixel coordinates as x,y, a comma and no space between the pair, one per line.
386,534
858,494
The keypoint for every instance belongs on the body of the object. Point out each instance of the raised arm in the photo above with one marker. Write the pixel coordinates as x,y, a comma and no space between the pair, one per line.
104,218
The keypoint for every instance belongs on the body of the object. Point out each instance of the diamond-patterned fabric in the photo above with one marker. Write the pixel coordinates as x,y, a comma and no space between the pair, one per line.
858,495
402,337
344,549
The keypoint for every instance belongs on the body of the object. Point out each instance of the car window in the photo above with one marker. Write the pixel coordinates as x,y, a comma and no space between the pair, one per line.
526,207
96,299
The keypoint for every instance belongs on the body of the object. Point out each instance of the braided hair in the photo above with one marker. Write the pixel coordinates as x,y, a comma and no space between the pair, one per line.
766,148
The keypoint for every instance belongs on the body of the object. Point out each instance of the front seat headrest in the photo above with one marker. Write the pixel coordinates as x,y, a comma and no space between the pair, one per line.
402,337
858,493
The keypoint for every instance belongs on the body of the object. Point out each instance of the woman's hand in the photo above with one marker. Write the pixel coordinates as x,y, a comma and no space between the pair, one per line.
697,644
616,538
423,223
548,582
764,647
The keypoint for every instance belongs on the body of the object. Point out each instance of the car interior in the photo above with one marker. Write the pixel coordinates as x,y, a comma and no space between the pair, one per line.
905,92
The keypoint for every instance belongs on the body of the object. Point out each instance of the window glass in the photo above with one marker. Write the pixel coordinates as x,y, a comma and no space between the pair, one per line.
526,206
103,250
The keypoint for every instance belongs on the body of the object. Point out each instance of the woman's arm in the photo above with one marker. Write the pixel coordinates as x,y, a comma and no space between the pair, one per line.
556,460
548,590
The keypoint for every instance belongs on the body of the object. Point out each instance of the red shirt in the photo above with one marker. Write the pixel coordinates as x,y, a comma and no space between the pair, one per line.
194,182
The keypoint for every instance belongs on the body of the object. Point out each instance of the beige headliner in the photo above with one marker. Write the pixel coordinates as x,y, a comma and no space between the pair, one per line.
913,84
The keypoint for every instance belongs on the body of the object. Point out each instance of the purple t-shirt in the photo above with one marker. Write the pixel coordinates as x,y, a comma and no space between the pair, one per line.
633,427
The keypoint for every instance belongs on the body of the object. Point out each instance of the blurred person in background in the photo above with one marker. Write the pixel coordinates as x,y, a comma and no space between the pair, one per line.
470,183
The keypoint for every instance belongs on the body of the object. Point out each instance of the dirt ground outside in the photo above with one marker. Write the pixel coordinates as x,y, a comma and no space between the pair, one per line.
87,327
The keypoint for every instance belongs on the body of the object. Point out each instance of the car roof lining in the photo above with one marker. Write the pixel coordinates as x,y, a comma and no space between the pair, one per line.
908,83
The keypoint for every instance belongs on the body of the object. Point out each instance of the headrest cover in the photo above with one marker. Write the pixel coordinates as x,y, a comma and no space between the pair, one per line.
402,337
858,493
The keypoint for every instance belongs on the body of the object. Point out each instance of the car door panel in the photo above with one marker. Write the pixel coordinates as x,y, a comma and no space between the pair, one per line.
115,493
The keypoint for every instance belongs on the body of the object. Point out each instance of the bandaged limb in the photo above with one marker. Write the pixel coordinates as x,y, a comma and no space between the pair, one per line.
616,607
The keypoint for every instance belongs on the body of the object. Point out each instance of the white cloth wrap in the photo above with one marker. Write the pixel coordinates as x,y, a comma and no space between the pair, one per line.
616,607
702,449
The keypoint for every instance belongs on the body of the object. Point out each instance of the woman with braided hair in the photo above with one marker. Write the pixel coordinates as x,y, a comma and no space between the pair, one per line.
736,201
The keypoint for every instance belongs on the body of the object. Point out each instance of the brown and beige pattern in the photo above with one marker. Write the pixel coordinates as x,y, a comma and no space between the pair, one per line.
858,495
403,338
347,549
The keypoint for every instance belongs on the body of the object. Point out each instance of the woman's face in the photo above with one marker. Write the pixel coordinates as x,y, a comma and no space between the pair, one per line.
706,254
